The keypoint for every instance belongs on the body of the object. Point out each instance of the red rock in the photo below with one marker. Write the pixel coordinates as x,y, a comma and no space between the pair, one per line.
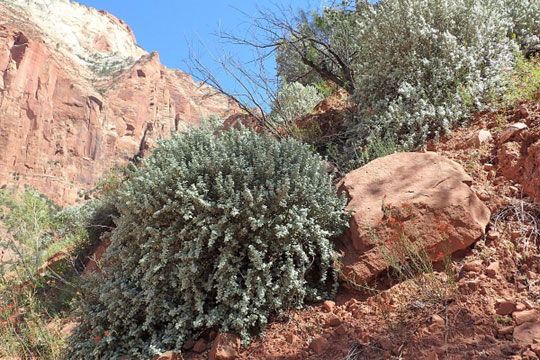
341,330
473,266
484,196
168,355
92,265
520,161
433,189
481,137
329,305
68,328
437,320
493,269
225,347
64,122
510,131
529,355
527,332
504,307
536,349
493,235
521,317
488,167
333,321
386,344
521,113
506,330
319,345
520,307
188,345
291,338
200,346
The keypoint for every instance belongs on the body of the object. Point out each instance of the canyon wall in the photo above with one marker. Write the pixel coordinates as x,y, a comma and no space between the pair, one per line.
79,97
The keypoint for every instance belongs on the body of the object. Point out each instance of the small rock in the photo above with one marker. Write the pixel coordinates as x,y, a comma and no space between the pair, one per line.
492,174
505,330
527,332
521,317
532,275
188,345
333,321
200,346
437,320
341,330
291,338
521,113
513,189
510,131
225,347
482,195
329,305
488,167
473,266
68,328
469,286
529,355
492,269
515,234
479,138
319,344
520,307
386,344
504,307
168,355
493,235
536,349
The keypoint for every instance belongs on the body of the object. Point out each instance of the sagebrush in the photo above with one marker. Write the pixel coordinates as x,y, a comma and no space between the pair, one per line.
214,231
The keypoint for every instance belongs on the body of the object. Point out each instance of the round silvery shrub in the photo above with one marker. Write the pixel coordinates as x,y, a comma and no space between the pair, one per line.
426,64
294,100
214,231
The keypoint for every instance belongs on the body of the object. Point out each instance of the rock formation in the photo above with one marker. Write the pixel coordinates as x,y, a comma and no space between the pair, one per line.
518,154
79,97
427,194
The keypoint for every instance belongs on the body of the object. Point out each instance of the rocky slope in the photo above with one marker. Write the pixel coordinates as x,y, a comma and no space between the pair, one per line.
78,96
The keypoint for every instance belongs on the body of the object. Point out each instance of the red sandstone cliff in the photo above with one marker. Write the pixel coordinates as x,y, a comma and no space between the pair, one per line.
77,102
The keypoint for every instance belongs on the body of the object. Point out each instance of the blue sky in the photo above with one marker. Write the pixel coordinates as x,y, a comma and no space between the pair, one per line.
167,26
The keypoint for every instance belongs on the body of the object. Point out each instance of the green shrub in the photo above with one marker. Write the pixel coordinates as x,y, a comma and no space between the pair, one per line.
414,68
524,18
426,64
293,101
28,219
522,83
214,231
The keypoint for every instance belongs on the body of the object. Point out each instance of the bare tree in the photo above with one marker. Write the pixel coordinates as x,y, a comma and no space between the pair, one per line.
308,47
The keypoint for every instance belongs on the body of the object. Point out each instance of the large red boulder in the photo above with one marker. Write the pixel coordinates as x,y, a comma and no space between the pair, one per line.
428,195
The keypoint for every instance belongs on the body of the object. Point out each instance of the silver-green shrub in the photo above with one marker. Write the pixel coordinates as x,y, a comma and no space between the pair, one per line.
214,231
294,100
426,64
524,18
